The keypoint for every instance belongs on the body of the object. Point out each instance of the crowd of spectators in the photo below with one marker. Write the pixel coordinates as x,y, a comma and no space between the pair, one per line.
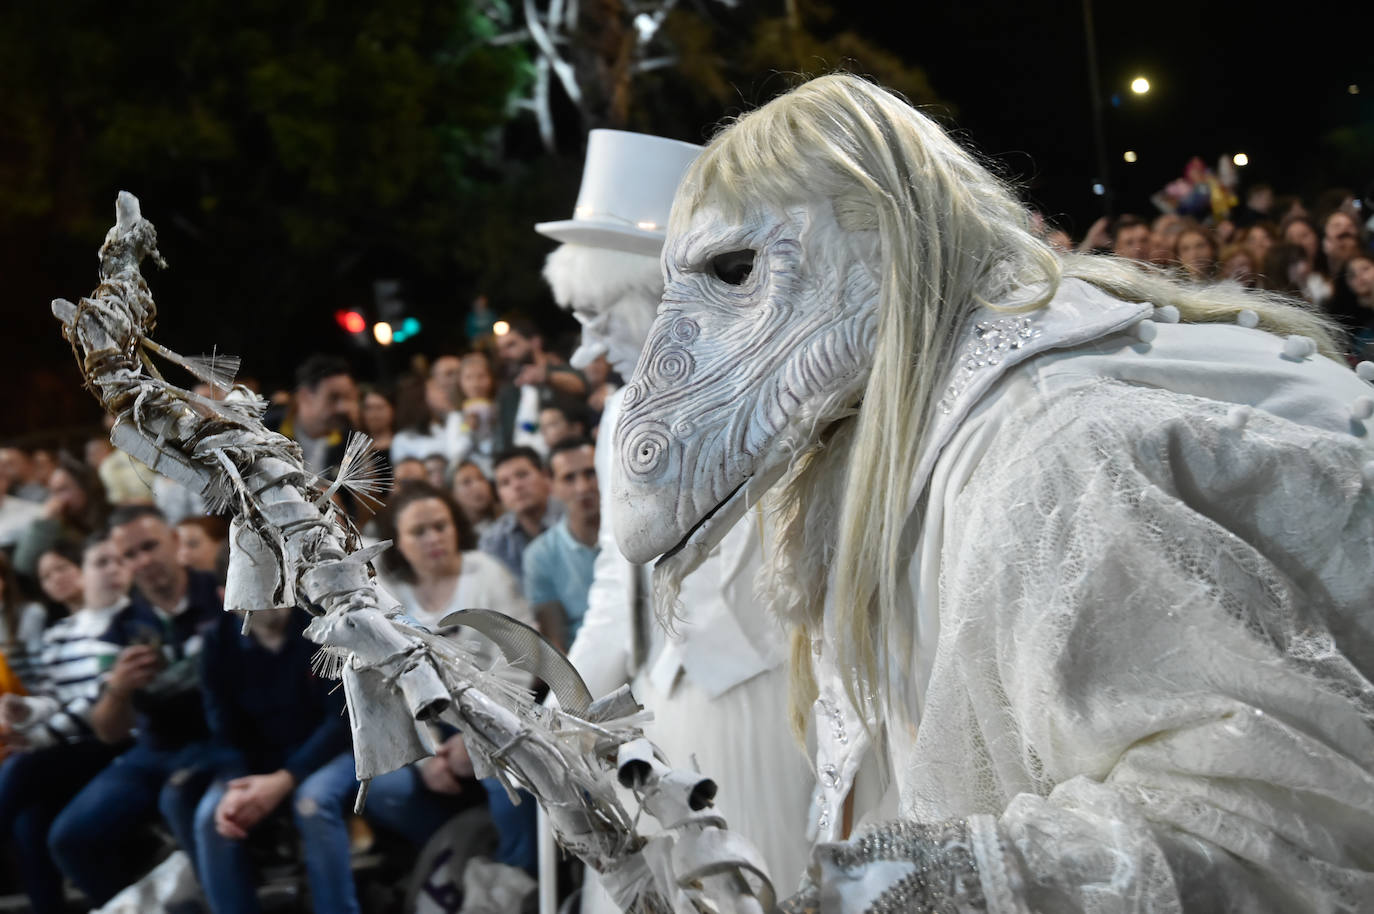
1319,253
133,704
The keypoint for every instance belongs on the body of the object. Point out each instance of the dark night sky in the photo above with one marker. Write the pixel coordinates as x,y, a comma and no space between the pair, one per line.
1265,79
1226,77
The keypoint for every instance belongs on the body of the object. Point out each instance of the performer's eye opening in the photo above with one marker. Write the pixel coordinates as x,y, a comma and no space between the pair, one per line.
733,267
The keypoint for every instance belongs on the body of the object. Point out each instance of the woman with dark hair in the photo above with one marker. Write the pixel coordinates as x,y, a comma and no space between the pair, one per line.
76,508
1302,231
21,623
200,539
1286,270
475,496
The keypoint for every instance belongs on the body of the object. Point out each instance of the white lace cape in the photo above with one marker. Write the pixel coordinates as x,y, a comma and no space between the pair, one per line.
1151,690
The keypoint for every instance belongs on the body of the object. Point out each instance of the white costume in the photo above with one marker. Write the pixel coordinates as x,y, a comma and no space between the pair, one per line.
1102,579
716,687
1100,701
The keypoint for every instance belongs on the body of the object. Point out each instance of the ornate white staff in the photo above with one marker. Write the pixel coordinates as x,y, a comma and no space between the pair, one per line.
290,546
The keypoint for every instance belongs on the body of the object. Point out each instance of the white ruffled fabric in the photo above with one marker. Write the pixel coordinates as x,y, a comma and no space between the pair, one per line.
1152,685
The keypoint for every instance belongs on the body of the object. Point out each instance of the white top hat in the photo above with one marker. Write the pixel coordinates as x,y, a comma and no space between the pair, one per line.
627,191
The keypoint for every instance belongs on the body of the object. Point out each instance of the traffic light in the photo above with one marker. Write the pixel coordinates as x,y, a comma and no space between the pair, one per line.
351,321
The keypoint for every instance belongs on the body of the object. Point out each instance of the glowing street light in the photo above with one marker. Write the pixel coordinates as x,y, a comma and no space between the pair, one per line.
1241,159
1130,155
500,328
382,331
1140,85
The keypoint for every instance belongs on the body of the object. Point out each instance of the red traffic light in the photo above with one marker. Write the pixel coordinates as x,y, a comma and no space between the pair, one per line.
351,321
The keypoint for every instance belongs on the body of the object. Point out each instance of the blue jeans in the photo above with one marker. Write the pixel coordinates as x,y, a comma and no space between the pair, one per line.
87,837
400,802
34,787
224,865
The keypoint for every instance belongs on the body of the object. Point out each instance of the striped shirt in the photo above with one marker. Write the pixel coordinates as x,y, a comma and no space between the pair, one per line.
76,658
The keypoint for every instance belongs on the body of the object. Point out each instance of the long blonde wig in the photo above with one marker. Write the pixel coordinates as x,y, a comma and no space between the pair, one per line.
951,237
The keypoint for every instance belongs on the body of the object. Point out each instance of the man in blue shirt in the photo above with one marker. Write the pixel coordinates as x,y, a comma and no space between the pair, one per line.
153,694
523,488
559,563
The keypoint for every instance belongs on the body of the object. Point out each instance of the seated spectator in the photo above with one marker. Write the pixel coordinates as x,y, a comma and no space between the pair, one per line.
560,561
273,725
53,727
524,491
75,509
1196,252
436,471
25,481
560,419
126,481
152,693
410,469
200,540
16,514
59,578
21,624
476,497
434,571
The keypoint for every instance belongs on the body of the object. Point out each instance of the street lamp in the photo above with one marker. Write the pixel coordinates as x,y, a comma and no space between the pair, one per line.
1140,85
1241,159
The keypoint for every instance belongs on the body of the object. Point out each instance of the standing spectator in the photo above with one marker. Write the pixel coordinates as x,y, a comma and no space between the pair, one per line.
1163,235
559,564
533,375
480,428
200,540
21,624
75,508
1234,263
1257,239
1340,241
1196,252
1287,269
153,694
320,412
1299,230
524,491
24,479
480,320
1131,238
1259,203
16,514
53,725
1359,278
272,724
476,497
